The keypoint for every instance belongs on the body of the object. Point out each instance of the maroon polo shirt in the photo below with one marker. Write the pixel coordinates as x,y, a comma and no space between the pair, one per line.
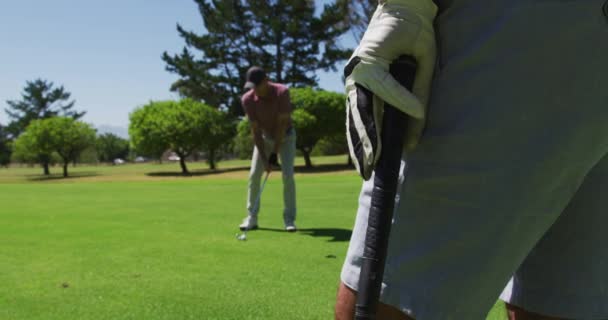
266,110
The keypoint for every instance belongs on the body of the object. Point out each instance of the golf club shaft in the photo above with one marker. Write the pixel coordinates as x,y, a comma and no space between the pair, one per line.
257,201
386,177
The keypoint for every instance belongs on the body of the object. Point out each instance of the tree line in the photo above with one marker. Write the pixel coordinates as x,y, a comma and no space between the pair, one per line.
188,127
45,129
291,39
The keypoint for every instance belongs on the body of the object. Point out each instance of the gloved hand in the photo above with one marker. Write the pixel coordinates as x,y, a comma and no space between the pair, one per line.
398,27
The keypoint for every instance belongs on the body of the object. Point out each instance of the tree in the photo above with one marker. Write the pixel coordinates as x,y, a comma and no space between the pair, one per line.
110,146
62,136
306,125
243,142
40,100
146,137
35,145
332,145
185,127
318,114
89,155
359,14
69,138
219,130
284,37
5,147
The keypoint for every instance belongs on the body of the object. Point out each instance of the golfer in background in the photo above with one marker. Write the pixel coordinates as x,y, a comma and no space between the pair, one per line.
268,108
508,180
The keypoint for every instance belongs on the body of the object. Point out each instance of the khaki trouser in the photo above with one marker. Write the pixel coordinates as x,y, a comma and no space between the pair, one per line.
286,154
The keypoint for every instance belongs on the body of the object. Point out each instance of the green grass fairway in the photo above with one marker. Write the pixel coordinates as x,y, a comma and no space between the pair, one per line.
119,244
155,171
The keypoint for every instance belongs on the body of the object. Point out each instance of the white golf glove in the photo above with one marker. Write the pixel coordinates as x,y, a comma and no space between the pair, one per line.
398,27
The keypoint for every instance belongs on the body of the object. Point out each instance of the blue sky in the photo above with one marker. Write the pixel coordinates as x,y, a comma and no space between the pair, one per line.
106,53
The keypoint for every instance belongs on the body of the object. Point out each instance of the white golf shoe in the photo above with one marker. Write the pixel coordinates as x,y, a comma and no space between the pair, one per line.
249,223
290,227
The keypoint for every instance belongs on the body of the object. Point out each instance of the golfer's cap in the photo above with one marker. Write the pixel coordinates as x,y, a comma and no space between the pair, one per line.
255,76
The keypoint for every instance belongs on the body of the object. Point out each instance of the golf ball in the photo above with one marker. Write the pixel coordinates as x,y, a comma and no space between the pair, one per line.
241,237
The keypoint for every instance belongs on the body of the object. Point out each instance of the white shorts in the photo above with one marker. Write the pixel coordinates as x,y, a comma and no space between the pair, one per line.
510,171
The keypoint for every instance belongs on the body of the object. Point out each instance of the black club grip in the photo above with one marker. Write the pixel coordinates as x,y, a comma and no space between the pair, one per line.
383,196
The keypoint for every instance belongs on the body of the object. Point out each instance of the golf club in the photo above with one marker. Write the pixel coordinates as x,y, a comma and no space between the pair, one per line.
243,236
383,197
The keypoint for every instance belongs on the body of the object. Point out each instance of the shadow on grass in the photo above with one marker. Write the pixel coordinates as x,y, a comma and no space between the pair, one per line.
335,234
322,168
59,176
196,173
